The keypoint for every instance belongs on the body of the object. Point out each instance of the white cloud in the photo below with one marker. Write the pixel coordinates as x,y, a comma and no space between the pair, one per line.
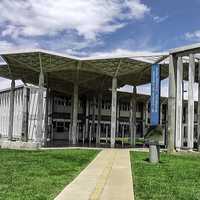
49,17
21,44
119,52
193,35
159,19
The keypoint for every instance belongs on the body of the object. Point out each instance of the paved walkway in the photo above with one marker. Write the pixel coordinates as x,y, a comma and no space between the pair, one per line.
107,177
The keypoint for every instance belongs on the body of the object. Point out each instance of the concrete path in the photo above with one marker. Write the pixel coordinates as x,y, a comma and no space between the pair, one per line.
107,177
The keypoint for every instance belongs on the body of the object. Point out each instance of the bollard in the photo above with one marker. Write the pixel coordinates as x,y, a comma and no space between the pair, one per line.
154,153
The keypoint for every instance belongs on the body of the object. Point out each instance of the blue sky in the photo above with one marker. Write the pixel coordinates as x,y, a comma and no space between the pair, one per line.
94,27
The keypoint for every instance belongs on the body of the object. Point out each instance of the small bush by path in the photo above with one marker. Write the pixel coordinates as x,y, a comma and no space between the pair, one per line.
176,177
39,175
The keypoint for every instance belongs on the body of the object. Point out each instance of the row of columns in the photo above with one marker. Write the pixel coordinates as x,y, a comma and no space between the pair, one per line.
175,103
73,138
113,115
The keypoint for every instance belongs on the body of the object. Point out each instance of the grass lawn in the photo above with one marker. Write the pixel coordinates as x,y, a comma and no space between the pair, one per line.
39,175
177,177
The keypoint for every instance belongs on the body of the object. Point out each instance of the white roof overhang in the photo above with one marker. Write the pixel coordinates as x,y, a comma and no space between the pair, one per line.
93,72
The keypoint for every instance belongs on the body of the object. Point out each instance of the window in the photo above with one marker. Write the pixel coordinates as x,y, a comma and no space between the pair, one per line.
60,127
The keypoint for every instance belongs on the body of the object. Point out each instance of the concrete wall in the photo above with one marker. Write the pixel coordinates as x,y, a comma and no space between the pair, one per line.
18,113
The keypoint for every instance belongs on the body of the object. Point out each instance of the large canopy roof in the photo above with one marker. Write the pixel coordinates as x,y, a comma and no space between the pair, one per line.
92,73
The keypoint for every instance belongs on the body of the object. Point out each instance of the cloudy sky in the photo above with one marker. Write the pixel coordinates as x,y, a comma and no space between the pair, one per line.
98,27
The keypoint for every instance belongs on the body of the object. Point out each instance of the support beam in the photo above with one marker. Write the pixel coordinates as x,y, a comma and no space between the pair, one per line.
133,116
75,113
171,103
24,135
147,113
106,125
11,111
93,116
123,134
47,115
39,134
87,111
118,117
98,135
144,118
190,129
113,112
179,104
198,129
161,106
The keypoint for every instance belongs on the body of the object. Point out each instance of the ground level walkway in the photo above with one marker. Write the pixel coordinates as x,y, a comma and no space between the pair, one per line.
108,177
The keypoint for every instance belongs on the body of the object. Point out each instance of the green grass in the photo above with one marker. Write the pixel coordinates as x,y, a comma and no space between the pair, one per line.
177,177
39,175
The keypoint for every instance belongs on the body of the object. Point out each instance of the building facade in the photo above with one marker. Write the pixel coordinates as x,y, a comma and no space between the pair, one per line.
93,129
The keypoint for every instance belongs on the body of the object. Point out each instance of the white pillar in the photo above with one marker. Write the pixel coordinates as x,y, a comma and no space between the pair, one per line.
87,118
75,114
118,115
144,116
161,105
40,111
98,135
106,125
179,103
190,129
47,115
113,111
133,116
171,103
147,113
11,111
93,116
24,135
123,134
198,128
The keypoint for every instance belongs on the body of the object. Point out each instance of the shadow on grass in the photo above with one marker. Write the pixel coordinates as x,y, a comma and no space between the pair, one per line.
146,160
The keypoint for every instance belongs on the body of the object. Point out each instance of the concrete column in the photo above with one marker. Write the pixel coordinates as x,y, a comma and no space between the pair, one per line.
24,136
87,111
133,116
190,129
98,134
106,125
11,111
179,103
75,114
198,129
47,115
118,117
144,119
40,111
77,131
161,113
113,112
93,116
52,111
171,103
90,134
147,112
83,134
123,131
71,121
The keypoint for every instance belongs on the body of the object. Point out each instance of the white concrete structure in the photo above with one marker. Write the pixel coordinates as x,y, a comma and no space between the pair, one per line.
59,122
185,128
19,105
86,119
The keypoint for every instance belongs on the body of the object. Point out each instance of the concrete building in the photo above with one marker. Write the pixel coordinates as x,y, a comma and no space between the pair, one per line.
90,129
76,101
